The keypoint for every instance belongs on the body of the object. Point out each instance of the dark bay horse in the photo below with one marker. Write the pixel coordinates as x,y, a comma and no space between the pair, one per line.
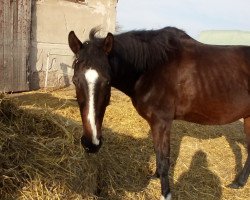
168,75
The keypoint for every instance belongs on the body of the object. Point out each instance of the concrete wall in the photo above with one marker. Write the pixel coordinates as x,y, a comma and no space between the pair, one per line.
51,58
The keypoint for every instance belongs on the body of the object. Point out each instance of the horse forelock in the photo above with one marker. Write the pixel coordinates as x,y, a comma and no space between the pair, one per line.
93,32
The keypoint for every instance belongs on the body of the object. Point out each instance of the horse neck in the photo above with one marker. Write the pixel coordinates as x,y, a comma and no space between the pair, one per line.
123,76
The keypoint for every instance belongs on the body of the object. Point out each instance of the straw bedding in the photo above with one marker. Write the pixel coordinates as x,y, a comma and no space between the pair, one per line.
41,156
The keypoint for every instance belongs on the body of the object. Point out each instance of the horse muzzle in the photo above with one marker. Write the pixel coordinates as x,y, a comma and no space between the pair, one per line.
89,146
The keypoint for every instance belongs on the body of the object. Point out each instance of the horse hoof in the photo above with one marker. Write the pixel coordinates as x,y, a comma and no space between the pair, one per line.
235,185
155,176
169,197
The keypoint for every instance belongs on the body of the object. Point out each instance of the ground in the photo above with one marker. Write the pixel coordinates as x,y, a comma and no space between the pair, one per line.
41,155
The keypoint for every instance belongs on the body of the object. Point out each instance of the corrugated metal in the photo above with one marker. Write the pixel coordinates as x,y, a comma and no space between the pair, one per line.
15,24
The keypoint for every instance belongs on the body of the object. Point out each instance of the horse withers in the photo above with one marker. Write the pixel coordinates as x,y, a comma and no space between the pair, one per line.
168,75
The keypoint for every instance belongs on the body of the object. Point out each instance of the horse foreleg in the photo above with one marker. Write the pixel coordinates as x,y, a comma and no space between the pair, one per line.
244,174
156,174
161,139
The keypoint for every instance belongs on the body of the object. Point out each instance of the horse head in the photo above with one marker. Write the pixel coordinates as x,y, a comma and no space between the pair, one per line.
92,83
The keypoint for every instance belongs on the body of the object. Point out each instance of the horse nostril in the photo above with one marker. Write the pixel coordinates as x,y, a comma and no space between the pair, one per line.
88,146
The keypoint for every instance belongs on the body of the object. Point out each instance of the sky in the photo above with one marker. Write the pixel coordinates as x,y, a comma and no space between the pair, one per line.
192,16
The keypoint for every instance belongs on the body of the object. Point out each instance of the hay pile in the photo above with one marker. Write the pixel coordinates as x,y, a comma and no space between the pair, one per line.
41,156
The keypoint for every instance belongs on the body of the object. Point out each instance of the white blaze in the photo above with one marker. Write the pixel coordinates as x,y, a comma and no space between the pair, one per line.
91,76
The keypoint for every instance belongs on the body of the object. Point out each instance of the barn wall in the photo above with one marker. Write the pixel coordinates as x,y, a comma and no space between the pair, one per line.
15,21
52,20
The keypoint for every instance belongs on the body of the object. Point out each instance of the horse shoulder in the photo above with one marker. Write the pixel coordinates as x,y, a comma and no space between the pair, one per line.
154,94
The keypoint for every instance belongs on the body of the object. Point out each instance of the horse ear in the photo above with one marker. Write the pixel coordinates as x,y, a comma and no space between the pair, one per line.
108,43
74,43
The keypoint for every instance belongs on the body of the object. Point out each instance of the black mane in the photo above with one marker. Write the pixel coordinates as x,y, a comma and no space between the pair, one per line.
145,49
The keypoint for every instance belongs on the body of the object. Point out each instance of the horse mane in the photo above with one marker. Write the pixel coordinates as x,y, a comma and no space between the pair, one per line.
145,49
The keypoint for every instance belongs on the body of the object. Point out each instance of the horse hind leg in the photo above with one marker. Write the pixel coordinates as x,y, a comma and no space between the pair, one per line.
244,174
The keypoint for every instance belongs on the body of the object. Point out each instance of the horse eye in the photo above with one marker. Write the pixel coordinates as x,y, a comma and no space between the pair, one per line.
108,83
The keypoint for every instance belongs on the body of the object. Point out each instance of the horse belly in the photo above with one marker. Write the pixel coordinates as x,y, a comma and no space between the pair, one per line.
217,113
203,119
